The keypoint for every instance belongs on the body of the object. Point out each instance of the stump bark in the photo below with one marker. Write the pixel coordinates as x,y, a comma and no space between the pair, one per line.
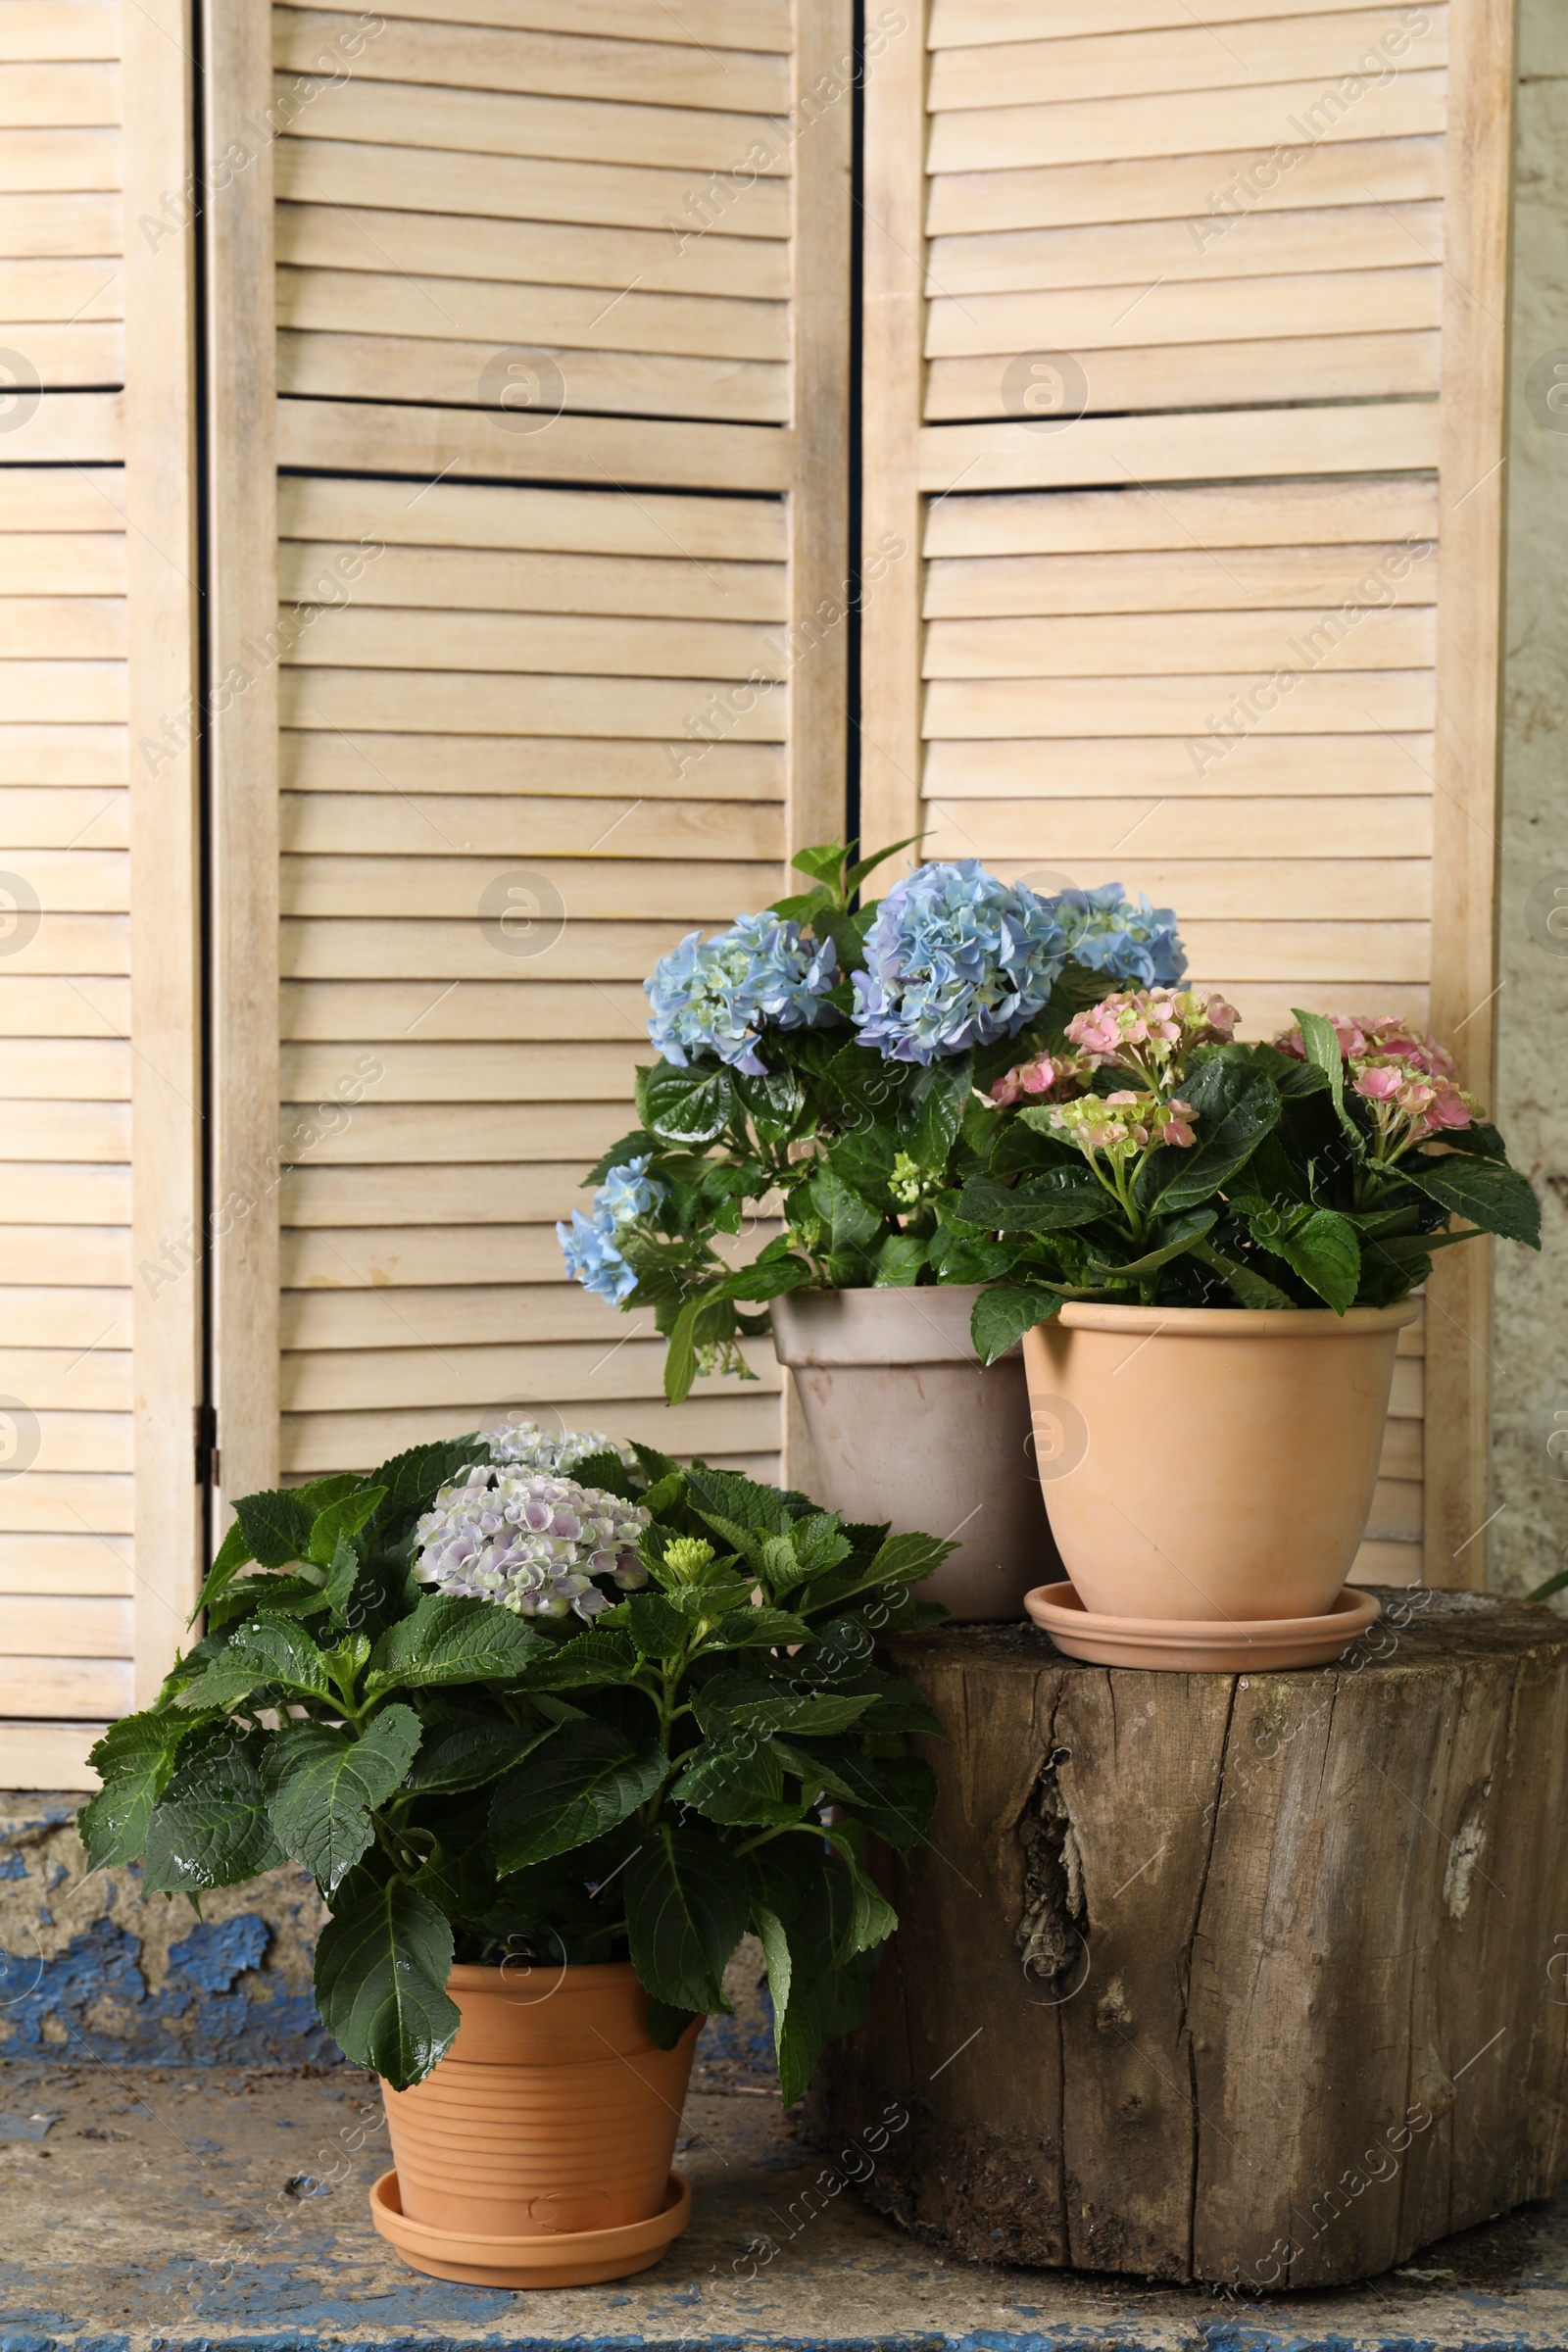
1253,1979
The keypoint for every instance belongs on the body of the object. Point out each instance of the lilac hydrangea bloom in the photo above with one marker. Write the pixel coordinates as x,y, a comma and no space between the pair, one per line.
530,1543
588,1245
525,1445
1125,938
629,1191
956,958
718,995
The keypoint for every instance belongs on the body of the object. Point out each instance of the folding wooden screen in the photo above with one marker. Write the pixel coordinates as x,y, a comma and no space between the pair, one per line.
1184,335
100,1365
556,672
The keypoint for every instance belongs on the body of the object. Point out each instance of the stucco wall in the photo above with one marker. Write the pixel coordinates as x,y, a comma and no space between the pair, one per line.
1529,1342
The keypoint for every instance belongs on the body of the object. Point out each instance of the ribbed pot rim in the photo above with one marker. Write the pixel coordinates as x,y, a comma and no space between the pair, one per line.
1239,1322
470,1976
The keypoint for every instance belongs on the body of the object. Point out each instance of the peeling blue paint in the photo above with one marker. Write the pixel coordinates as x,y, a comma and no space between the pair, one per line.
12,1866
96,1991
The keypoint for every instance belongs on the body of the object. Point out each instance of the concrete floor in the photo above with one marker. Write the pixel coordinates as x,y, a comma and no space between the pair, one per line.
152,2207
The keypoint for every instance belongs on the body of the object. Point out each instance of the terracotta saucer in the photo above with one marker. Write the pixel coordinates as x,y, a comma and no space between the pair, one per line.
1200,1645
568,2258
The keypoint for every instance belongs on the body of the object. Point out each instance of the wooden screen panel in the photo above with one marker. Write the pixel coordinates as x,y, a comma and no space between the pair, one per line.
100,1324
1202,461
484,1056
552,594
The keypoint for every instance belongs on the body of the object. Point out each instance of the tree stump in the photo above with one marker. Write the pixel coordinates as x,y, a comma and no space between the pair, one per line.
1253,1979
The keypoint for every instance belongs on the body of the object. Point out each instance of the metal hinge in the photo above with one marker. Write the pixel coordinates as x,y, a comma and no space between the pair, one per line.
205,1418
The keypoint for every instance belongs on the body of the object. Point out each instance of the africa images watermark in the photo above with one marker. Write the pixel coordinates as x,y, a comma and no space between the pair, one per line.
182,1251
327,594
707,206
724,708
180,206
1374,69
1376,592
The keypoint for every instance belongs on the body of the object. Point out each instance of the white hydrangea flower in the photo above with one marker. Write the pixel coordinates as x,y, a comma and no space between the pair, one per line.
530,1543
525,1445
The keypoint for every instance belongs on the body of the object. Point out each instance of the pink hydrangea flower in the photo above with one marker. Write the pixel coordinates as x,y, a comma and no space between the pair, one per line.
1057,1074
1405,1076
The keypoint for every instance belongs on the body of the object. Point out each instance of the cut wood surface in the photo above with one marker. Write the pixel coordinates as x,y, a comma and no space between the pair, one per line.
1236,1979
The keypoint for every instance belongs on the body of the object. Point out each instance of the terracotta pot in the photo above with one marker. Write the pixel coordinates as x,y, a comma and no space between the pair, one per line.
553,2111
1210,1462
906,1426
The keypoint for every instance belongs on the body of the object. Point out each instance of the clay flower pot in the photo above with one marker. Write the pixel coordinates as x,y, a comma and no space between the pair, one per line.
906,1426
1210,1462
550,2125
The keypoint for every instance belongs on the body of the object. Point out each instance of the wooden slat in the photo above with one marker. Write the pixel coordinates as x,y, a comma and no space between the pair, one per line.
1269,175
64,1627
476,1073
313,1011
1358,237
66,1254
433,1194
1159,828
66,1687
326,761
893,276
243,589
83,1503
589,889
421,443
40,1315
358,1380
33,1194
739,392
528,188
1264,115
44,225
1350,637
956,24
1107,768
1205,376
38,288
367,947
564,130
1286,515
467,56
1471,469
600,522
1188,58
65,1069
361,301
711,24
42,28
444,246
384,1257
65,564
461,579
712,1424
48,1756
340,823
76,944
1377,438
669,710
1348,958
1090,319
1187,580
355,637
44,690
410,1133
161,481
1354,702
35,817
97,1566
58,97
64,626
81,498
68,1131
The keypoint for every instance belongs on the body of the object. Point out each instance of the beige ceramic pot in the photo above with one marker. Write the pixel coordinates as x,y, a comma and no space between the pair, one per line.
552,2116
1210,1462
906,1426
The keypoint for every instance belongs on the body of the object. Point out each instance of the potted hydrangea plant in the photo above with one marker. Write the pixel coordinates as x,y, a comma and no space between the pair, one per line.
552,1724
834,1062
1209,1250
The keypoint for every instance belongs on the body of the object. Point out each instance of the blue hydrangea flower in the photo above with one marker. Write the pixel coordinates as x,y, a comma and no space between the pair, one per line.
588,1245
629,1191
718,995
1125,938
956,958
